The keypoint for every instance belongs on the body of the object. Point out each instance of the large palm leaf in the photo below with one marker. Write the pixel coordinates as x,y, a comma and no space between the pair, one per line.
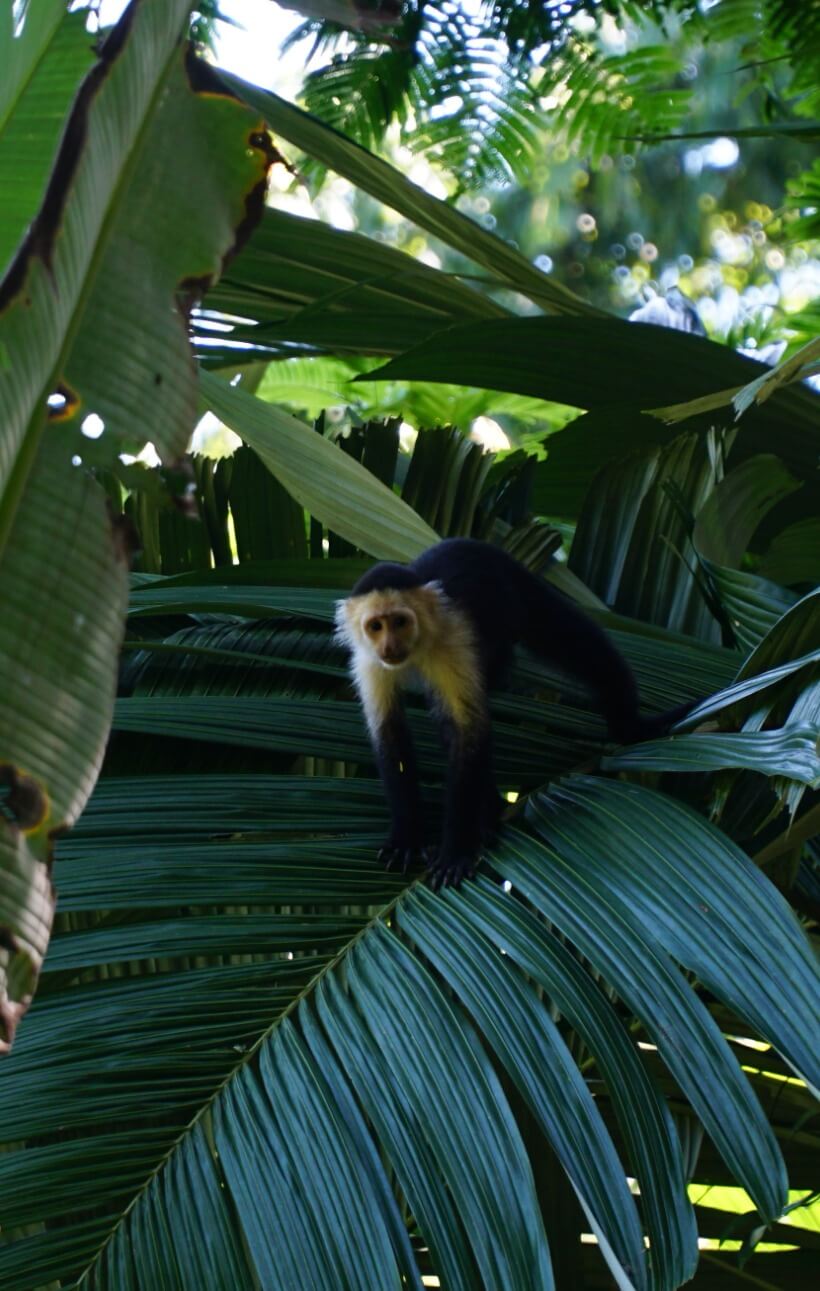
258,1059
298,1054
97,177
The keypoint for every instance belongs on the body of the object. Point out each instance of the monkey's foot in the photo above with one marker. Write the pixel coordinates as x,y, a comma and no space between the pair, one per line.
448,871
402,857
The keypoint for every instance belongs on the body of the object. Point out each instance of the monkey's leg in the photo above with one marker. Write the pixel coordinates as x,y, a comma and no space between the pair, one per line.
470,803
396,760
560,633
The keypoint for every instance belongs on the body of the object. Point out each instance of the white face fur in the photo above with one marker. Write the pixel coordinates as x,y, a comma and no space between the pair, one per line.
382,624
389,632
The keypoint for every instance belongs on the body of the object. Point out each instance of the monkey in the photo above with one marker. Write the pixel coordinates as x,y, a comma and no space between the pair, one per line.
452,618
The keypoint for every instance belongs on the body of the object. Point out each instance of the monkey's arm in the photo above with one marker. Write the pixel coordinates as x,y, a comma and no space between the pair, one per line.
472,804
396,760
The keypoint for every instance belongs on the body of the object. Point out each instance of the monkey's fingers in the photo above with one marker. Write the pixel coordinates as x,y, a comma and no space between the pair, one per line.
390,856
408,857
449,872
401,857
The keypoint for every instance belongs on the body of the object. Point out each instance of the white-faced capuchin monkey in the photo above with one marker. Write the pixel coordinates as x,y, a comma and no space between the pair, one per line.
452,618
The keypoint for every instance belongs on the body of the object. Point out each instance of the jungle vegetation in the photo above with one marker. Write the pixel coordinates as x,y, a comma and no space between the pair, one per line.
246,1055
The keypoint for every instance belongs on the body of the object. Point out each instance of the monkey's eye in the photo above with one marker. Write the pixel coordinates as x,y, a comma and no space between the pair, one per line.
374,626
399,620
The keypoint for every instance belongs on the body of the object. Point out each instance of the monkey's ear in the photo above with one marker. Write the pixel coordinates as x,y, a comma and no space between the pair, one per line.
432,595
429,601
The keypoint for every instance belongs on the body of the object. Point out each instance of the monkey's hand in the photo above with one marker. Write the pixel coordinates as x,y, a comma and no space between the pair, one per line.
402,855
447,869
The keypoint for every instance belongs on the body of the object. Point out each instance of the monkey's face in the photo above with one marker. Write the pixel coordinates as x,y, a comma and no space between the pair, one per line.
391,632
389,627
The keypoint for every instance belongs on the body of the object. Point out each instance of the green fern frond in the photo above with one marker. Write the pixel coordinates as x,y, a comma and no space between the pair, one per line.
474,110
740,20
471,91
605,101
804,195
796,27
474,95
488,127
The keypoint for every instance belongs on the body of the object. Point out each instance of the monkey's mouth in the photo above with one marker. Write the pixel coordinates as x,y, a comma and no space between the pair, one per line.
394,660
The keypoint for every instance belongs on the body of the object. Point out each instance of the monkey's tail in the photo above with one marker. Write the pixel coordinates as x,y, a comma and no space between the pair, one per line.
651,728
558,631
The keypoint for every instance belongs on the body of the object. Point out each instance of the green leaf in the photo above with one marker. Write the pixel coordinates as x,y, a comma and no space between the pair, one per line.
62,623
26,913
267,521
549,358
753,604
214,807
655,992
209,596
631,543
796,633
445,478
723,530
414,1051
64,604
730,515
330,484
262,1128
43,63
797,367
314,1136
637,365
671,667
304,281
28,34
388,185
536,740
273,575
618,892
62,298
794,554
606,99
769,130
588,444
803,363
308,385
790,752
666,869
792,635
209,1050
507,1011
139,139
750,686
480,909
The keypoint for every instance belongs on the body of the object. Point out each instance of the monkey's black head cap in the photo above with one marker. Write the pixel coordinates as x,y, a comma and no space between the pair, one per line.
386,575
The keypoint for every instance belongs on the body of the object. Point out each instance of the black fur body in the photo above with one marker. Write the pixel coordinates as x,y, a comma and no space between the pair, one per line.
454,616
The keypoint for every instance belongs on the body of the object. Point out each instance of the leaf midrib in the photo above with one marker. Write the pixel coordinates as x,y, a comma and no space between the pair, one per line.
246,1058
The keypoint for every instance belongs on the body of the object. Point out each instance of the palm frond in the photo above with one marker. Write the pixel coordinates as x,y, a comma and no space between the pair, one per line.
274,1025
607,100
307,1037
390,186
447,77
477,93
804,194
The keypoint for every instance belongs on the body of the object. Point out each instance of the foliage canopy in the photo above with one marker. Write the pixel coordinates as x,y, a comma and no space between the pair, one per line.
255,1058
